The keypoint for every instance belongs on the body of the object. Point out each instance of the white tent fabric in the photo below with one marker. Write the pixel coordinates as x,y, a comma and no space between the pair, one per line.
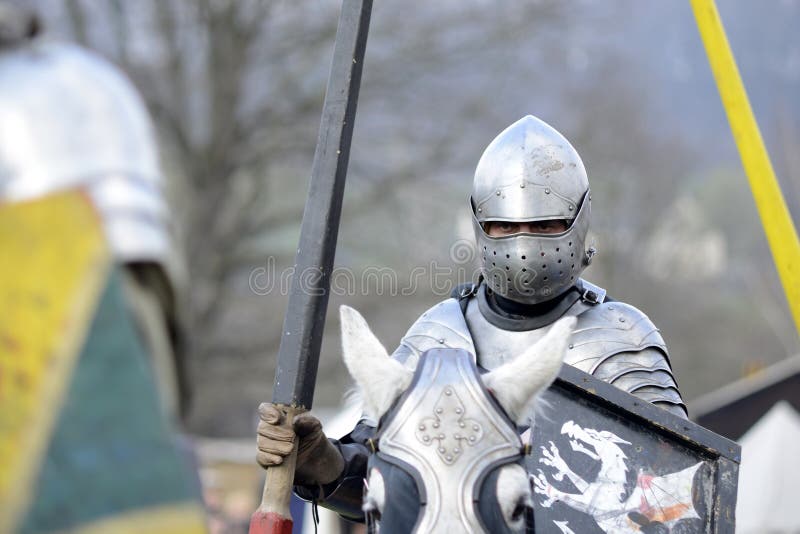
769,476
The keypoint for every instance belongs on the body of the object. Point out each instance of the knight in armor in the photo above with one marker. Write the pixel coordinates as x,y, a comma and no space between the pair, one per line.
91,441
531,207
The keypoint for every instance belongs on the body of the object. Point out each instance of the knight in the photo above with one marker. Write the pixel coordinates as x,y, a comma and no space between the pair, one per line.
531,207
90,359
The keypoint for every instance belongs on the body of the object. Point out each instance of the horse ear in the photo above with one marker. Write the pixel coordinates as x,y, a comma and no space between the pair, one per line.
516,383
379,378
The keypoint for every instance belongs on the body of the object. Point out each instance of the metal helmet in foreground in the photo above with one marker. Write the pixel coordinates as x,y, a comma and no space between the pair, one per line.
530,172
68,119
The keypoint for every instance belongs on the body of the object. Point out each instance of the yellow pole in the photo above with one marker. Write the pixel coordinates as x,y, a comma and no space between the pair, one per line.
775,217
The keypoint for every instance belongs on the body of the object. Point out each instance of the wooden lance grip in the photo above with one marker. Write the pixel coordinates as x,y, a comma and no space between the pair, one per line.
301,338
273,515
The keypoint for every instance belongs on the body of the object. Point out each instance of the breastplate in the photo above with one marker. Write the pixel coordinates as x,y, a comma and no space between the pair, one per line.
494,346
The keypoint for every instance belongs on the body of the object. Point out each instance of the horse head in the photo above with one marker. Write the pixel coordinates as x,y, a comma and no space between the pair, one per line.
447,449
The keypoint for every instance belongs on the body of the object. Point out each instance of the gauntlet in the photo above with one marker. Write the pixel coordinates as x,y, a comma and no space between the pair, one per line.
318,460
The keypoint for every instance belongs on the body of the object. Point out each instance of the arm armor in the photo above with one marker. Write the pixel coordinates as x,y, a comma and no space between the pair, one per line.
619,344
344,494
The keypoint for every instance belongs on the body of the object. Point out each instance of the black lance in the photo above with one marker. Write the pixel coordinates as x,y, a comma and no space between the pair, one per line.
298,356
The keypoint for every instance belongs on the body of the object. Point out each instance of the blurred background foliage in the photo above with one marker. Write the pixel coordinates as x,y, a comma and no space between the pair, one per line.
236,89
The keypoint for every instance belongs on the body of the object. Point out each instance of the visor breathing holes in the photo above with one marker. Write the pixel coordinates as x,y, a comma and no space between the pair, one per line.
559,260
542,253
508,268
570,243
557,249
523,257
524,270
508,256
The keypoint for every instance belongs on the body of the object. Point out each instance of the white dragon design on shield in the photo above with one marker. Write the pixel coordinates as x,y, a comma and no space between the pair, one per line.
665,499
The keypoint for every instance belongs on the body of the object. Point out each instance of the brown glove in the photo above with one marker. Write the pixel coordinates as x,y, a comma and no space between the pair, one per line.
318,460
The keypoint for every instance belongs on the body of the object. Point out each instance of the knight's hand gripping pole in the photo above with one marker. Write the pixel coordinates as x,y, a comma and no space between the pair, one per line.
301,338
273,515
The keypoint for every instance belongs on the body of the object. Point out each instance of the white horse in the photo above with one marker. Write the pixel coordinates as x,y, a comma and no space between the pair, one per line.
448,452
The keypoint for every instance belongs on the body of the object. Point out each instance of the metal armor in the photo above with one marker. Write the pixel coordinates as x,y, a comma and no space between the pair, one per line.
69,119
449,433
530,172
613,341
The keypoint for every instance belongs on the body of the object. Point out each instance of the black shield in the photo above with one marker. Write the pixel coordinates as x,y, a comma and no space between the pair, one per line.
605,461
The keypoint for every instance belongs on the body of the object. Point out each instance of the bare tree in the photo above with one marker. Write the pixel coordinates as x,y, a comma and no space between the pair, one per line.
236,88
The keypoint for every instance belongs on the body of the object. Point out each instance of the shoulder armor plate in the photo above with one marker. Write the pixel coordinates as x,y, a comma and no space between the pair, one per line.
619,344
608,329
442,326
